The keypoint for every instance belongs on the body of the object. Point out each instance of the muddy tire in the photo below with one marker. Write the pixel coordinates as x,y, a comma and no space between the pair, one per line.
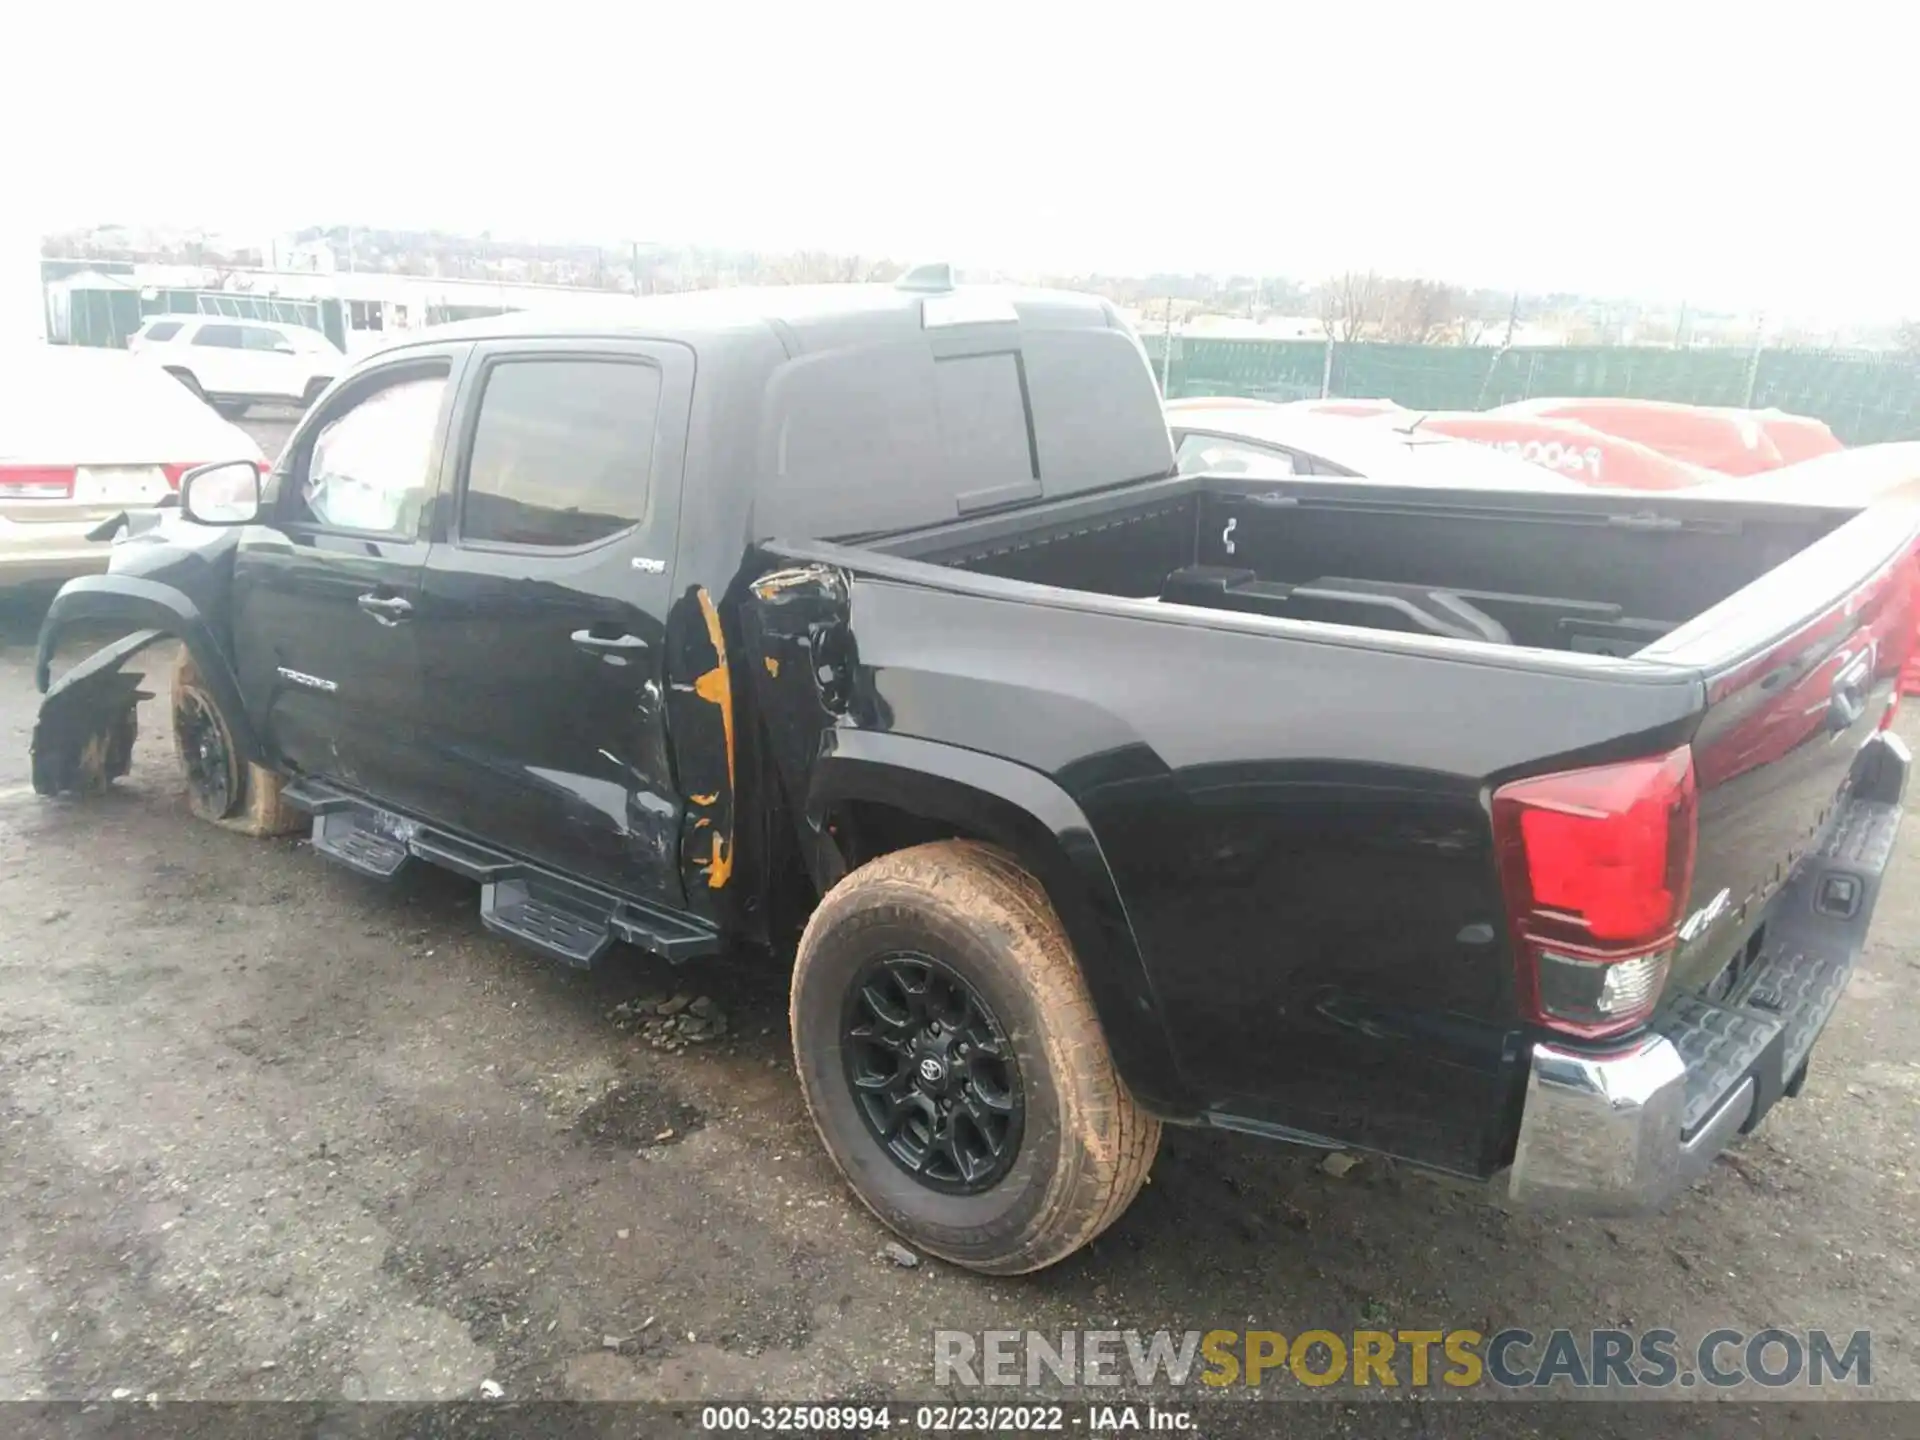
951,1060
221,787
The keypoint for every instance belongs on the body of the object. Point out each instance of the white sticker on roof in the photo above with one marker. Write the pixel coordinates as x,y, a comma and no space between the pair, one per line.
938,311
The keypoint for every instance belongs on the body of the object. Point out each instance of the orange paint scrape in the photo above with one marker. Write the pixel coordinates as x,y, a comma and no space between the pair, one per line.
716,687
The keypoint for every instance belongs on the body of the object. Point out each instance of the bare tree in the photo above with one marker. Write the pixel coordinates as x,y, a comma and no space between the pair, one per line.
1421,312
1350,305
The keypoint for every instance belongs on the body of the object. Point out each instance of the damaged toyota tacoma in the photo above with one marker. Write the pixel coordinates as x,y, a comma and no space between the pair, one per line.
1529,838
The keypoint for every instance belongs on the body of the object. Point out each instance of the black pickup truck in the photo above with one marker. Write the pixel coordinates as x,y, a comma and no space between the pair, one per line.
1523,837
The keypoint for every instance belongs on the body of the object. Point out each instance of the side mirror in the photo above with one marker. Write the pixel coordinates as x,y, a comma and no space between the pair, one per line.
282,348
226,493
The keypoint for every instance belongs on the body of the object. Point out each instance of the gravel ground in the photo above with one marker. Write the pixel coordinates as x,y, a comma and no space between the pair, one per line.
269,1130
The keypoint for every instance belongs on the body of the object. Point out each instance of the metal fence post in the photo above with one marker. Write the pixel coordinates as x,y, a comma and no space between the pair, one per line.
1753,361
1166,353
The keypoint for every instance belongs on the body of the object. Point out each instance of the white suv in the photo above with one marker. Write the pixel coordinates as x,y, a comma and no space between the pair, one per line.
232,364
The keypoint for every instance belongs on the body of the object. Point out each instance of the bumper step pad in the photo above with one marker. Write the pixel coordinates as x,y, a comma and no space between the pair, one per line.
1797,980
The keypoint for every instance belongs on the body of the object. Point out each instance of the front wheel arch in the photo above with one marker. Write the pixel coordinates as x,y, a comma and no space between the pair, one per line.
135,603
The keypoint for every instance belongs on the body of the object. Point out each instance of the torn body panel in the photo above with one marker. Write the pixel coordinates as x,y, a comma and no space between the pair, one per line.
797,622
83,736
700,717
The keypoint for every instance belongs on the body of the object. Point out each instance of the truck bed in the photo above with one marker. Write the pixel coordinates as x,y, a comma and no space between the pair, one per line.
1602,575
1281,709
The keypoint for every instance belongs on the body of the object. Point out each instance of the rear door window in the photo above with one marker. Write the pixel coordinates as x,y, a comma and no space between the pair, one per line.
224,337
562,452
163,330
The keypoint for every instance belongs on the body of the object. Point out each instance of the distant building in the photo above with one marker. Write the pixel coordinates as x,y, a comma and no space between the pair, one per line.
307,257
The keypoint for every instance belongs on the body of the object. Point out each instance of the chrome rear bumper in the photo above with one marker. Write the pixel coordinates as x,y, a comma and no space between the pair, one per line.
1603,1135
1621,1131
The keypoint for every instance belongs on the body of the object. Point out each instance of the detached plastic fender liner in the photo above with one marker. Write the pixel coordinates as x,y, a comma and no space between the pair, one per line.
1033,818
146,604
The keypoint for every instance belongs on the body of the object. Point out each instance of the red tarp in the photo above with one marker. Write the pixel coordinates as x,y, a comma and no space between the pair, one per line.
1734,442
1566,447
1349,407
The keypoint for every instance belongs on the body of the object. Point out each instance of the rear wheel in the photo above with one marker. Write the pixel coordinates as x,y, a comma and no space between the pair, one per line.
950,1056
222,787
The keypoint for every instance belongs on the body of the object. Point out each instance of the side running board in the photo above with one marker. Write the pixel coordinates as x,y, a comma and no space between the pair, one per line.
562,919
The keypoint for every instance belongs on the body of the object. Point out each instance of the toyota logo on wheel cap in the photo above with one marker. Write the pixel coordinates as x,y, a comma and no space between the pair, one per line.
931,1069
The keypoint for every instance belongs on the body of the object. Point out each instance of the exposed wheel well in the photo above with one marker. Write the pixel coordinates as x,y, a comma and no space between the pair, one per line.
864,830
861,830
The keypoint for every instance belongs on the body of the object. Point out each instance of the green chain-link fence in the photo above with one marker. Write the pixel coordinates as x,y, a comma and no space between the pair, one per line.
1864,398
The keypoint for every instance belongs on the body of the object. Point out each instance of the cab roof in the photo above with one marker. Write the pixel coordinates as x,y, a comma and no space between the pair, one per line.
806,317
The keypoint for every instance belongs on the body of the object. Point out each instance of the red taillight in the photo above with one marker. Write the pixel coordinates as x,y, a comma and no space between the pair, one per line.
1596,865
36,482
174,472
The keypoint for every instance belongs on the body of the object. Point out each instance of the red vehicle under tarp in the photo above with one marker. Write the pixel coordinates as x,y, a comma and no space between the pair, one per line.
1731,441
1580,452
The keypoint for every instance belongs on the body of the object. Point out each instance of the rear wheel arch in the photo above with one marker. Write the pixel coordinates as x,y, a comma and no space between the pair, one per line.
879,794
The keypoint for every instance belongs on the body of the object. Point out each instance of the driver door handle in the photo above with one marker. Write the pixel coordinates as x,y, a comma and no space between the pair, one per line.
608,644
387,609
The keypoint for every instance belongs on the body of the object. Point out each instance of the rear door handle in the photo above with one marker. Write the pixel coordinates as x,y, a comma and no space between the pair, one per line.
387,609
608,644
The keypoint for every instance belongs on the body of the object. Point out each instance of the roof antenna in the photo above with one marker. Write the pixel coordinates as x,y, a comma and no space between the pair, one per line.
932,278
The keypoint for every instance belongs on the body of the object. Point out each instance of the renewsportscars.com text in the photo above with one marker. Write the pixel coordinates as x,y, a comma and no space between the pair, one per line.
1511,1359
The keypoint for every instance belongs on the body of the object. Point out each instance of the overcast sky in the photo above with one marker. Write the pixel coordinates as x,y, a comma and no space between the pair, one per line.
1755,156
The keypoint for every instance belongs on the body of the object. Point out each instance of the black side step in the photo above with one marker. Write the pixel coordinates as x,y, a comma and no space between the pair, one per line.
463,857
665,933
549,920
558,917
362,840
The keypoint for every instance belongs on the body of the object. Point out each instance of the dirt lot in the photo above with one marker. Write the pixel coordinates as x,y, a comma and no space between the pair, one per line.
268,1130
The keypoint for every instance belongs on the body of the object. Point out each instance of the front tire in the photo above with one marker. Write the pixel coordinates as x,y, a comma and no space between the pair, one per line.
950,1057
222,789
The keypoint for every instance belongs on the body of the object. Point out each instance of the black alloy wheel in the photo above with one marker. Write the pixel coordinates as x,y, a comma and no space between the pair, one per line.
206,753
932,1073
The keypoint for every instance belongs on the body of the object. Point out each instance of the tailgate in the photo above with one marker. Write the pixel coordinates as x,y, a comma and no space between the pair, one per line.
1795,821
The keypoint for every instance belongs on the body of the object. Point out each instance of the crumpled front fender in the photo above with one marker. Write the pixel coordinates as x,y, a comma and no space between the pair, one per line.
83,735
150,610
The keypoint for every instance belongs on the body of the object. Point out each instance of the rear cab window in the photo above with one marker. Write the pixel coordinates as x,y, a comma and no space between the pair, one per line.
954,417
161,330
